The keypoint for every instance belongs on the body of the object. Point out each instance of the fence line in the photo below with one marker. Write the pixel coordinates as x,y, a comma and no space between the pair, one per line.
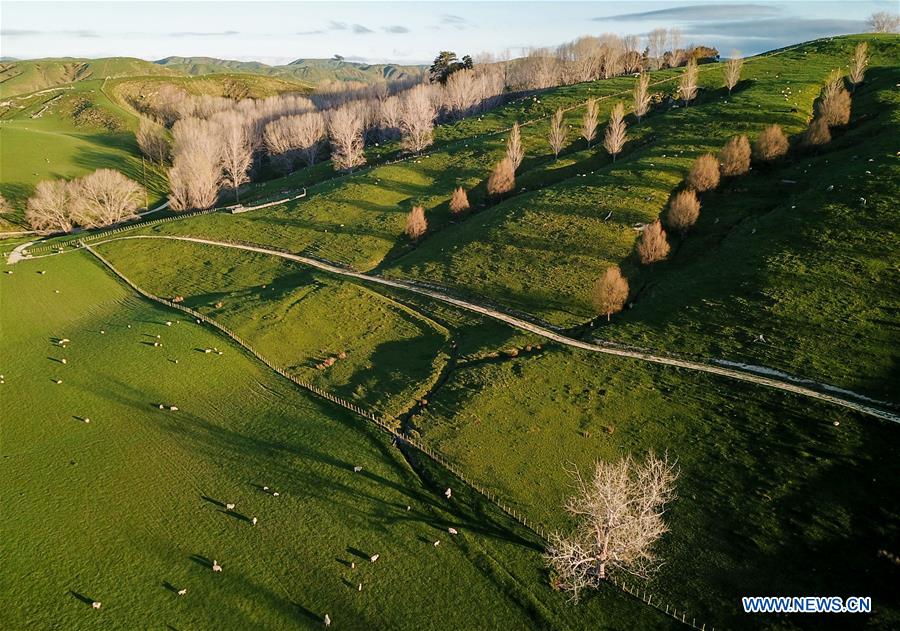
388,425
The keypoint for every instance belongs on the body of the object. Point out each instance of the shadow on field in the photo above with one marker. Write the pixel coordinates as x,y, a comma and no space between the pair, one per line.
86,600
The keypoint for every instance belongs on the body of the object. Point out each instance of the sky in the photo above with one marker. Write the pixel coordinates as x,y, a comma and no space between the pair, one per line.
405,32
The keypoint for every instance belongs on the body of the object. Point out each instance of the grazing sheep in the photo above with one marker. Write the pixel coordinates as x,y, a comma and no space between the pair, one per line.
208,351
59,381
374,557
352,565
229,506
173,408
275,494
87,420
156,344
408,508
216,567
96,604
159,337
448,493
168,323
64,361
437,543
253,521
102,332
129,326
162,407
265,488
327,620
359,587
453,531
182,592
357,469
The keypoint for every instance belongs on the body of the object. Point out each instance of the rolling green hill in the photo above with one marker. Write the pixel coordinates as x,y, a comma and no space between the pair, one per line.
32,75
309,70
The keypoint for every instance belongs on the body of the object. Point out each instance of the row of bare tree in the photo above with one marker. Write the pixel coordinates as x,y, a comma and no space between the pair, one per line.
102,198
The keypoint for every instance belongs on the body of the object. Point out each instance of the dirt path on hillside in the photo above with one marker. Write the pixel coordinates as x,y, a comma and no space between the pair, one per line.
741,372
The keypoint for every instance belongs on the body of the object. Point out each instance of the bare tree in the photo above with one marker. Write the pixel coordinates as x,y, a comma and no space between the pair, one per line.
733,70
417,118
49,209
615,136
514,150
416,224
656,46
884,22
589,122
675,45
684,211
610,292
771,144
734,157
632,57
389,115
502,179
687,85
345,129
619,513
103,198
197,170
459,201
653,245
557,136
818,133
858,63
152,141
642,96
704,173
237,152
834,104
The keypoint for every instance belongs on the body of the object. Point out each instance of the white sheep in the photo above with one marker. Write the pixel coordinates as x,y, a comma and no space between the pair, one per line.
59,381
275,494
253,521
216,567
437,543
448,493
168,323
359,587
87,420
453,531
64,361
229,506
173,408
265,488
357,469
374,557
327,620
96,604
182,592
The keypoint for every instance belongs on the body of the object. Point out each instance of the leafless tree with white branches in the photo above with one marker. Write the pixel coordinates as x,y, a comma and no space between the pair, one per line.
345,130
733,70
884,22
152,141
656,46
197,171
557,137
514,150
49,208
103,198
642,96
237,152
589,122
417,115
614,139
620,514
687,85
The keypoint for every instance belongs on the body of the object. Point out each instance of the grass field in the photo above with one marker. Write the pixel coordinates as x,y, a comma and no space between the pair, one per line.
299,319
129,507
778,494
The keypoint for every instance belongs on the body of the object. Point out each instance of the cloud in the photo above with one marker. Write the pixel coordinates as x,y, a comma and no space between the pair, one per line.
792,30
359,29
31,33
337,26
395,29
700,13
456,21
204,34
315,32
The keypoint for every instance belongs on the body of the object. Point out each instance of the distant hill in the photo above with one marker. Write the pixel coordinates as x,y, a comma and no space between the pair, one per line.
23,77
310,70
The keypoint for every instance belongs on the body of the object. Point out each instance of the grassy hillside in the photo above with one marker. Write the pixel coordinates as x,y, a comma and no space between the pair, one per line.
67,133
26,76
129,508
309,70
540,250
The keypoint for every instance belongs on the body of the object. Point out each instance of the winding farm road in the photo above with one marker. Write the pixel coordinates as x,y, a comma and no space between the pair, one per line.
751,374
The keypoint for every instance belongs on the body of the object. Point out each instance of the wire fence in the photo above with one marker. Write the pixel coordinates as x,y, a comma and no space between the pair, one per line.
389,425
